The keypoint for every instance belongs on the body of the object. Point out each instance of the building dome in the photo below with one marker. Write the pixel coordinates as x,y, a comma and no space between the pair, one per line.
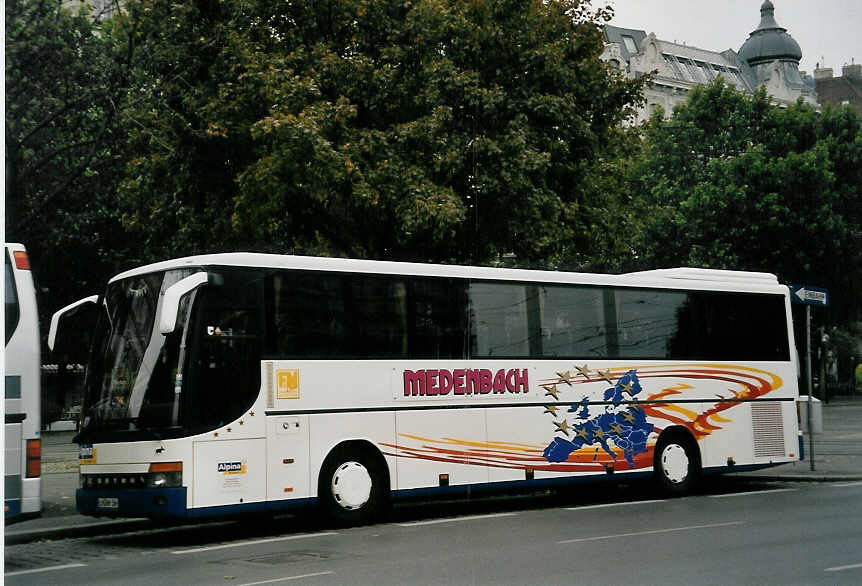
769,41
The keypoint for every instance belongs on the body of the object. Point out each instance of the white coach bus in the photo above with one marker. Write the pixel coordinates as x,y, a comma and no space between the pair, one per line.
236,382
22,441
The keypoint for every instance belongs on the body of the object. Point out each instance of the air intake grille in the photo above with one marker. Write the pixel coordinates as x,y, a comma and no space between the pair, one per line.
768,429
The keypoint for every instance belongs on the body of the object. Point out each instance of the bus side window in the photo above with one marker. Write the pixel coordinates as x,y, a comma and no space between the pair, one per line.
226,364
438,318
573,322
498,320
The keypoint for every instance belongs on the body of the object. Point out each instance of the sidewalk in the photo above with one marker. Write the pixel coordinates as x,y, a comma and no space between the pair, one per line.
59,482
837,451
837,457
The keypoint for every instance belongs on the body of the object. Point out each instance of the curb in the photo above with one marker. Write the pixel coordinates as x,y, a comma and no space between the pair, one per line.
59,466
85,530
825,477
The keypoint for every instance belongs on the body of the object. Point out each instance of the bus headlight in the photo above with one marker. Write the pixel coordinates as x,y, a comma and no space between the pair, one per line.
165,475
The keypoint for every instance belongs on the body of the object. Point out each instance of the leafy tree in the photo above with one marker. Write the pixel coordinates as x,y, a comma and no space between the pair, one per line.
430,130
62,146
733,182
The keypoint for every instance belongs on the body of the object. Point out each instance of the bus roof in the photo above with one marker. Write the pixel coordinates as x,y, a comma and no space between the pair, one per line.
678,278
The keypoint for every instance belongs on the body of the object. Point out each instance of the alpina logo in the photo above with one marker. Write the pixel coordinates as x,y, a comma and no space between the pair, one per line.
465,381
231,467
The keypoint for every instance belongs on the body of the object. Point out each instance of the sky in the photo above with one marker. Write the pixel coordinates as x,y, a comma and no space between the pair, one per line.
829,32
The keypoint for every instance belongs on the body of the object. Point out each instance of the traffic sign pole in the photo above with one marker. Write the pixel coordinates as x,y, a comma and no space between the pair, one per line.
809,296
810,385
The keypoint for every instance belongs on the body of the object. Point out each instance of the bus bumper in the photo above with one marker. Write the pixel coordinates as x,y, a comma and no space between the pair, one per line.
12,509
162,503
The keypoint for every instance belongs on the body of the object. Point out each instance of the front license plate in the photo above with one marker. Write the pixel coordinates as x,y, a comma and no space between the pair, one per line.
107,503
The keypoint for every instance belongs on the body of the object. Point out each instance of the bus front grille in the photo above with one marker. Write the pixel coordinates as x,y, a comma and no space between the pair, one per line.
114,481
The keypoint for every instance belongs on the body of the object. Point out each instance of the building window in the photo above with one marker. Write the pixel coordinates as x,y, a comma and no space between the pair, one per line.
631,47
706,69
735,77
694,71
674,66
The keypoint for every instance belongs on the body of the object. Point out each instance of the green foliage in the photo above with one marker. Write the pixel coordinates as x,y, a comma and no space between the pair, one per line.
733,182
62,146
430,130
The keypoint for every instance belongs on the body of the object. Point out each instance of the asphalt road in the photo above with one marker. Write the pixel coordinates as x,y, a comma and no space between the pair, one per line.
738,531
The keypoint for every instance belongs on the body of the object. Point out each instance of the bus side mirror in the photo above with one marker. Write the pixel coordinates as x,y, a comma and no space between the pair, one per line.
171,300
55,319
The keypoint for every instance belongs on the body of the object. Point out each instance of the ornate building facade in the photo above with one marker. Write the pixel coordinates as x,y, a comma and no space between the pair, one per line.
845,90
769,58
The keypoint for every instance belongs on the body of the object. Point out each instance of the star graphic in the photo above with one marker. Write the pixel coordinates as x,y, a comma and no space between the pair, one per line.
606,375
552,409
616,428
599,433
562,426
583,370
629,416
627,388
552,391
565,377
582,433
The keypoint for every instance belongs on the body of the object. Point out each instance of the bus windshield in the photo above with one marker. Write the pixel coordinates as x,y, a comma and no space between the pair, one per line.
134,369
142,384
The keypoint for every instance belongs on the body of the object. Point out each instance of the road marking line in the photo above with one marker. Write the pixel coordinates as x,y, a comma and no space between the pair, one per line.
774,490
455,520
842,568
615,505
845,484
48,569
245,543
653,532
287,578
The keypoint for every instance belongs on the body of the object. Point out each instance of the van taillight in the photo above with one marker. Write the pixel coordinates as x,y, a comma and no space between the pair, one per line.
22,261
34,458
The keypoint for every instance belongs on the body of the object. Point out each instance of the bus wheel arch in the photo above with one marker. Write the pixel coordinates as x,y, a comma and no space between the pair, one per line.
677,462
353,485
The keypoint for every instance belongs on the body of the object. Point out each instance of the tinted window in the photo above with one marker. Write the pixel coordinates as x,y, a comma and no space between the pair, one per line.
225,366
731,326
437,318
499,320
573,322
557,321
646,320
322,315
10,301
341,316
698,325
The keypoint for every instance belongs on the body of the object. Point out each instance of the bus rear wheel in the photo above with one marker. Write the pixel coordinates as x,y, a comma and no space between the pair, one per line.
352,487
676,463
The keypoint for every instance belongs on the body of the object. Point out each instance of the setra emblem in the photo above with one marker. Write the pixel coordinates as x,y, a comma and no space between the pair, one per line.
288,384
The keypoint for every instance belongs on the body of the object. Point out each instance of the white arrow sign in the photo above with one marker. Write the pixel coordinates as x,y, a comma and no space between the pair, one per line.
811,296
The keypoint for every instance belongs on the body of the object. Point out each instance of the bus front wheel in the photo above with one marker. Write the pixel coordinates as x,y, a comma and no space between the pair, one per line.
677,463
352,486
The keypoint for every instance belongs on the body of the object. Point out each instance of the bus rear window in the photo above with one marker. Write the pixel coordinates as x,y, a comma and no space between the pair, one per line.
10,302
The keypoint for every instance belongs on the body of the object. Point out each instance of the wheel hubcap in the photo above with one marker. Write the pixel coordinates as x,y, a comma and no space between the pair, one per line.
351,485
674,463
